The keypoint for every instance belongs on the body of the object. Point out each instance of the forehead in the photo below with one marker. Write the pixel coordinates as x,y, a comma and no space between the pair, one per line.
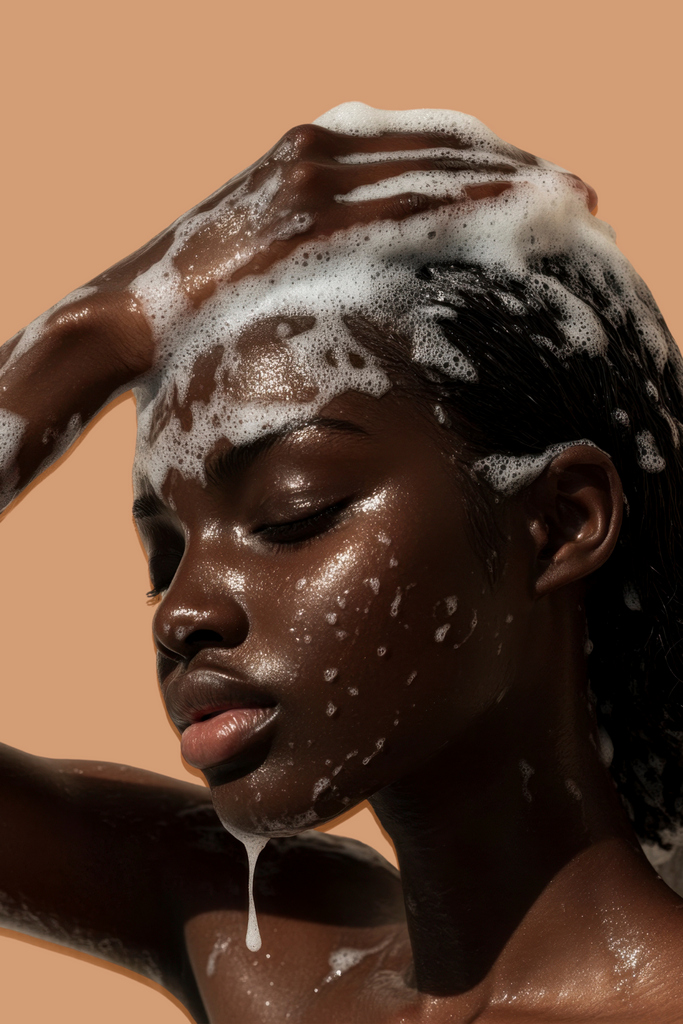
277,372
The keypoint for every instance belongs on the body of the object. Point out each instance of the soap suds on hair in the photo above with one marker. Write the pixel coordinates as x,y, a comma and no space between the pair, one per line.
649,456
500,210
492,210
509,474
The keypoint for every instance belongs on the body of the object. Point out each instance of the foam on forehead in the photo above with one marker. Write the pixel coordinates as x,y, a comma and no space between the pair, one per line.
503,212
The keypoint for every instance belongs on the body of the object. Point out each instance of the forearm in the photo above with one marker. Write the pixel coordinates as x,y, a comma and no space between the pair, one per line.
58,373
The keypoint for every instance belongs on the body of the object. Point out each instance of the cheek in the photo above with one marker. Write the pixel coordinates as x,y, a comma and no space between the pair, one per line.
380,649
379,633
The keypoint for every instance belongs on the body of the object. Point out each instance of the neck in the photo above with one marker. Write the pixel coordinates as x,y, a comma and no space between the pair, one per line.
494,821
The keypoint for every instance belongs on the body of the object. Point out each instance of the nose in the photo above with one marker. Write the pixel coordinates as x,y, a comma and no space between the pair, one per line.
200,610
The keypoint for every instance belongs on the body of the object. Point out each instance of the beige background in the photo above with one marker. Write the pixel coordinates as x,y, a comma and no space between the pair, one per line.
118,117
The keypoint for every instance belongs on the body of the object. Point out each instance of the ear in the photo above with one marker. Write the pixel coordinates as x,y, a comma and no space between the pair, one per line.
574,511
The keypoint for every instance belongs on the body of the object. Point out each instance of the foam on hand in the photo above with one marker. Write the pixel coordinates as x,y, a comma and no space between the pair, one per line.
254,346
494,207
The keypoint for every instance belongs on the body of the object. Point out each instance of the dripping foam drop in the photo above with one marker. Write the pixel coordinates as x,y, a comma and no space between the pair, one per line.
253,844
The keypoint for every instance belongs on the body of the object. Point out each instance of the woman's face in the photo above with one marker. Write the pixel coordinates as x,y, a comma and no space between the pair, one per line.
325,617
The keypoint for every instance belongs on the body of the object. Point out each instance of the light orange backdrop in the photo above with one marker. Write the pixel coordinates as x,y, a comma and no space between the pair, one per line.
117,118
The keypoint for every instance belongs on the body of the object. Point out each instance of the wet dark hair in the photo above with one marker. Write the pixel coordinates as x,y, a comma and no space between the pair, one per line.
534,389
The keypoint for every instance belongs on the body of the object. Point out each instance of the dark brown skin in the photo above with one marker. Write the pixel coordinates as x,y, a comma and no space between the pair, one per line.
523,894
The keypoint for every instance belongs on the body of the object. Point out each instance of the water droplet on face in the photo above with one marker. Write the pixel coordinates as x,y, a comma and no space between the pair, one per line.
451,604
331,618
320,785
378,746
441,632
381,651
353,690
330,710
330,674
410,678
473,626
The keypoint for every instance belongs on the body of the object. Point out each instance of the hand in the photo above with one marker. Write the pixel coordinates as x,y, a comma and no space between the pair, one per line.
92,346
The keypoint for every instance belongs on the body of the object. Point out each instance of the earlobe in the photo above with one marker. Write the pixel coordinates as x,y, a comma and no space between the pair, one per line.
574,512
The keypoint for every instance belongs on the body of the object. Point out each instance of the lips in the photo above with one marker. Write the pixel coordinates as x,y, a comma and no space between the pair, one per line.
224,737
221,718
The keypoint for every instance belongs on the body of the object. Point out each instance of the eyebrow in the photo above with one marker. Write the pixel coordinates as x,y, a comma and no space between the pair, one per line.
226,465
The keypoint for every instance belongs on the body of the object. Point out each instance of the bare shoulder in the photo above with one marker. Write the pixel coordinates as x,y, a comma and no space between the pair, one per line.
92,861
144,874
324,905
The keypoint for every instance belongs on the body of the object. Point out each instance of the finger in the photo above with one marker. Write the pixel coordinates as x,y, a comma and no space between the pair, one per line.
395,208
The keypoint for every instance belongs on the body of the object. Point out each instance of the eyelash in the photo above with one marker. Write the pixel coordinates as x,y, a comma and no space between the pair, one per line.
318,519
169,561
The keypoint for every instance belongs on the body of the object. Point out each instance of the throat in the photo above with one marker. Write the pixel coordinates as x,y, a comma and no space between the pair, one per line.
478,860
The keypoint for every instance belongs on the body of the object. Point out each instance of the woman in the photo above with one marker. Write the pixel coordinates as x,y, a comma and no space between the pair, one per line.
390,382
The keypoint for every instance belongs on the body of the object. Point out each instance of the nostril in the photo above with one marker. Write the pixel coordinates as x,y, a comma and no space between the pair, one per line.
203,636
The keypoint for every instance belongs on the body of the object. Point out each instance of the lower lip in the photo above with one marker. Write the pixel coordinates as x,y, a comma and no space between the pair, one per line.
223,737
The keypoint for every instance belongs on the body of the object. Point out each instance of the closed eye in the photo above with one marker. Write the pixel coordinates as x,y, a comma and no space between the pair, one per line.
163,566
300,531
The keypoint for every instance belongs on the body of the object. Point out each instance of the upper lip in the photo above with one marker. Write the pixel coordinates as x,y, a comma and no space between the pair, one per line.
206,690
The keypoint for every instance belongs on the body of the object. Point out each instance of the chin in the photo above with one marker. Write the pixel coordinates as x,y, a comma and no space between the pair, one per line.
254,814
